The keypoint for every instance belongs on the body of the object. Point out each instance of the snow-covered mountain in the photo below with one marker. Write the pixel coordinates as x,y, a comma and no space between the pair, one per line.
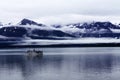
28,29
28,32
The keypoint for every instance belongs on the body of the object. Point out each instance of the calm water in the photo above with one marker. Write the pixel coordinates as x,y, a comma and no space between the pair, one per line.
61,64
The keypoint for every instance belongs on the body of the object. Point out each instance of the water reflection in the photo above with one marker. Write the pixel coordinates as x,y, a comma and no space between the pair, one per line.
97,62
60,67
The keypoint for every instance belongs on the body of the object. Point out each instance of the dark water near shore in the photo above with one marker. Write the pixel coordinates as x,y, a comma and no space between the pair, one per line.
102,63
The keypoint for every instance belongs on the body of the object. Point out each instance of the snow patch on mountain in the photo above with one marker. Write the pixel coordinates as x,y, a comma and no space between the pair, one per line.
115,30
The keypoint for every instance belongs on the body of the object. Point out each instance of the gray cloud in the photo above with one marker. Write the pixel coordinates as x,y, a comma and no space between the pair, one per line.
14,10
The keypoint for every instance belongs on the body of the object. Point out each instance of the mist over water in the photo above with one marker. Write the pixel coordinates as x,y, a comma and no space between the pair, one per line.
61,64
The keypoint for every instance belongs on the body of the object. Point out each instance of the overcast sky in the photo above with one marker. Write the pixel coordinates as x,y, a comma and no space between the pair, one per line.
47,10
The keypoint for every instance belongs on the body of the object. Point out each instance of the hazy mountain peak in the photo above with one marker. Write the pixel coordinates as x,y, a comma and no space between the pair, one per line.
1,24
29,22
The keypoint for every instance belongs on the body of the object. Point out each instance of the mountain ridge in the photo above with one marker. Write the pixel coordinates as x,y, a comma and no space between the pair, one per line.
28,29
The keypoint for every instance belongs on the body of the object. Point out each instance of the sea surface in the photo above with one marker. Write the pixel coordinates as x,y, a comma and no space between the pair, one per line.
101,63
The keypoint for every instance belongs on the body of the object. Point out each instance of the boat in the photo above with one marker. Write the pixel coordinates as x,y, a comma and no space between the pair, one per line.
34,53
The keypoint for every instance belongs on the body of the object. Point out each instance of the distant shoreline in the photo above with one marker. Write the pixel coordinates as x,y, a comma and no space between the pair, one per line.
62,45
